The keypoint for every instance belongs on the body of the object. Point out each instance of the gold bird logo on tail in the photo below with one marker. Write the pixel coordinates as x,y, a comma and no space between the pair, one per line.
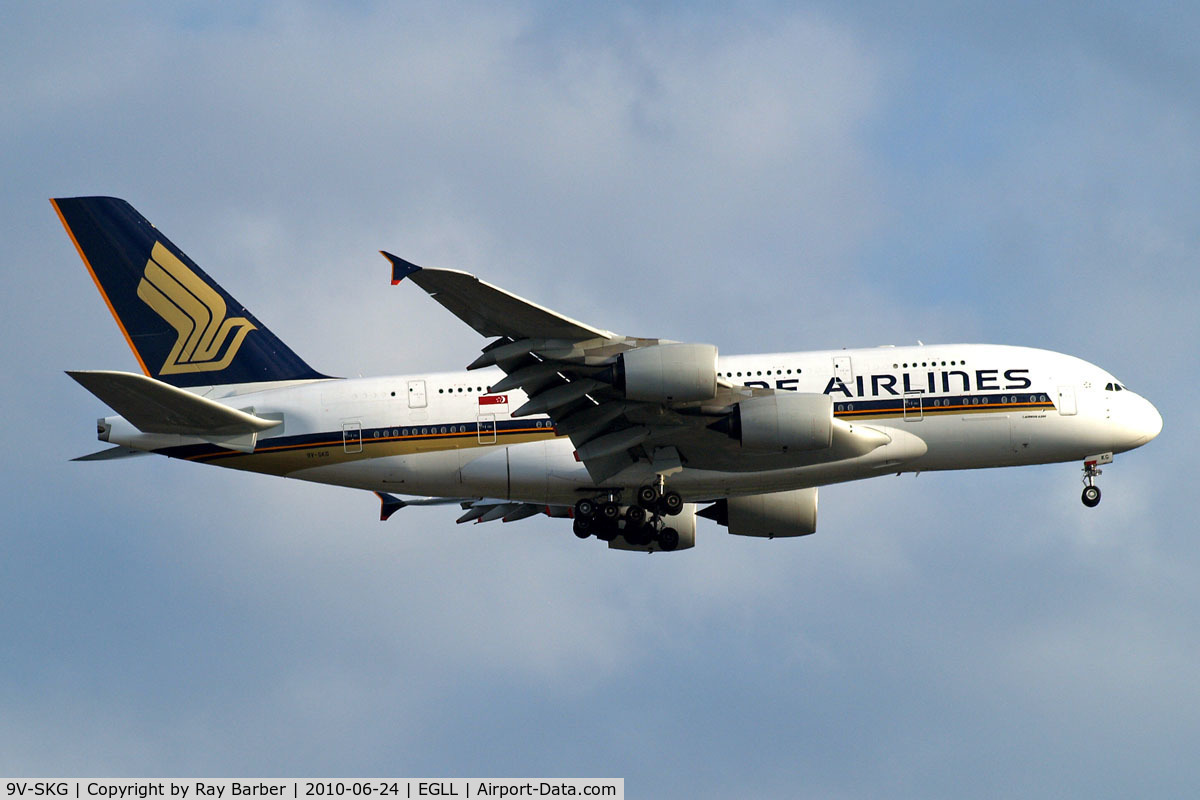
195,310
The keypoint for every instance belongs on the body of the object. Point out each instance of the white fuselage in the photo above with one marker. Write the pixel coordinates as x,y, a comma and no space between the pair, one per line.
442,434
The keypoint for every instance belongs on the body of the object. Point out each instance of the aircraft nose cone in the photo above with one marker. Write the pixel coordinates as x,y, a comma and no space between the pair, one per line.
1153,422
1146,423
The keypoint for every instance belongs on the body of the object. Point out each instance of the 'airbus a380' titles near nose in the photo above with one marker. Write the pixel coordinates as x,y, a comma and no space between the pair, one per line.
625,437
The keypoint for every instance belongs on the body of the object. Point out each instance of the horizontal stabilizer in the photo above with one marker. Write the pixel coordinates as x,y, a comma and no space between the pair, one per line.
156,407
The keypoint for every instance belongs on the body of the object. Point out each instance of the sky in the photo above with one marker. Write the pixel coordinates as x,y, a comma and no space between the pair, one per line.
762,176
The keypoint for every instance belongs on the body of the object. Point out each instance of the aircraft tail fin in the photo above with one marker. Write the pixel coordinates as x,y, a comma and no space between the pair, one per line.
183,328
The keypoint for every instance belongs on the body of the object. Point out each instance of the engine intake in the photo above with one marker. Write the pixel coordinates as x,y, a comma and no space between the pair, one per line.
782,422
668,373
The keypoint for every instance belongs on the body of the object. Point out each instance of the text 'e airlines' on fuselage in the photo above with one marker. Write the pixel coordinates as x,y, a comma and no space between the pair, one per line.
629,438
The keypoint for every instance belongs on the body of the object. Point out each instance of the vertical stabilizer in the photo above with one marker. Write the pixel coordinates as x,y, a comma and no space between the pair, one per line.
183,328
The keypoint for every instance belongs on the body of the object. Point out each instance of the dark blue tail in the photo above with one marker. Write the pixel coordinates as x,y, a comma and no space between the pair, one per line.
183,328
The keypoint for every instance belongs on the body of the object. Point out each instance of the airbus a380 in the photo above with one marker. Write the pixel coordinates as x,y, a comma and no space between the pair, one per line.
626,437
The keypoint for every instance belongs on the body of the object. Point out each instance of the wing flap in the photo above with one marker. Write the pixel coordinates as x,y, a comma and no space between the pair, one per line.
156,407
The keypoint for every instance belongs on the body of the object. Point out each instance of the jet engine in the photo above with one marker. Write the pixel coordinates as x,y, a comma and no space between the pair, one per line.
782,422
668,373
792,513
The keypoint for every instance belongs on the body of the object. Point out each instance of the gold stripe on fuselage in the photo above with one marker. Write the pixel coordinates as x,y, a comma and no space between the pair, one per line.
285,459
938,411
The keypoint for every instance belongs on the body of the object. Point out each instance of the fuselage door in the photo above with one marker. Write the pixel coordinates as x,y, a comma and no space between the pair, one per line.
487,428
416,394
914,408
352,437
1066,401
843,369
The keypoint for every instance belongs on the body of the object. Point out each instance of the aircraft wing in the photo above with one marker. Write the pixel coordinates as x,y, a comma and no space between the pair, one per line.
649,406
476,509
488,309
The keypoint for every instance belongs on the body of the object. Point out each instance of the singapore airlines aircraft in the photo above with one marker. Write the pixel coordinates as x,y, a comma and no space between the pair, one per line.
624,436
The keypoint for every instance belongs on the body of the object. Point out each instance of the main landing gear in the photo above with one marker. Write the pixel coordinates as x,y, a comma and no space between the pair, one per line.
1091,492
639,524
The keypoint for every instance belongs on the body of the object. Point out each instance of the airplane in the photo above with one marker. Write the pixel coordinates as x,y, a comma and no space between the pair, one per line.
629,438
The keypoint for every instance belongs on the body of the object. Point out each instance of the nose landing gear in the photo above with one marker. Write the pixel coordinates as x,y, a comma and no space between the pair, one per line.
1091,492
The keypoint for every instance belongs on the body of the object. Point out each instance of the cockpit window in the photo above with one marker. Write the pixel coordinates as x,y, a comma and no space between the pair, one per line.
1114,387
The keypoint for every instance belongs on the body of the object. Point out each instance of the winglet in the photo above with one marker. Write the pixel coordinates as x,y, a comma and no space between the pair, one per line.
401,269
388,505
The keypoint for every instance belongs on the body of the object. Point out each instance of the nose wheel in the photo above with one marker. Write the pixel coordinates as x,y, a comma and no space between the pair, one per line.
1091,468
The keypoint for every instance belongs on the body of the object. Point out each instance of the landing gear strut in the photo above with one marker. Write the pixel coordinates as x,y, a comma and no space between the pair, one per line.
658,500
639,524
1091,492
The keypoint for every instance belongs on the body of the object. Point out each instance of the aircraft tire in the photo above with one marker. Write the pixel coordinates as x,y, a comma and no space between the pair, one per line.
582,527
585,508
1091,496
647,497
637,536
672,503
610,511
635,515
668,539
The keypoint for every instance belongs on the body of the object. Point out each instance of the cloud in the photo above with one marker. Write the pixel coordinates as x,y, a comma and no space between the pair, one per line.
764,178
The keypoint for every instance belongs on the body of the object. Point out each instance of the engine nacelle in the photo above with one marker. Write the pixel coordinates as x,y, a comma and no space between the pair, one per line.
792,513
668,373
684,524
782,422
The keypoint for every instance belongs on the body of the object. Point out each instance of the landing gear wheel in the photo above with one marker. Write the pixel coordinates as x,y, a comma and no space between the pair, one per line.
610,511
647,497
635,515
606,532
585,508
672,503
668,539
637,535
1091,470
583,527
